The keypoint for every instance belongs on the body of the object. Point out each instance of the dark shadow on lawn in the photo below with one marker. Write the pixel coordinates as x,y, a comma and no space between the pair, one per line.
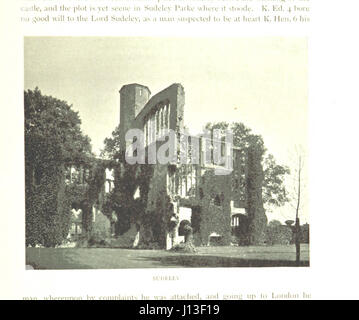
196,261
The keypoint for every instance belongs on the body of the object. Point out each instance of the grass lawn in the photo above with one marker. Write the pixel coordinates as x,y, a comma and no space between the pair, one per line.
107,258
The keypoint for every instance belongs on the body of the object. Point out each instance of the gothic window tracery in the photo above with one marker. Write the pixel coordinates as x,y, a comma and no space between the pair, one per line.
156,123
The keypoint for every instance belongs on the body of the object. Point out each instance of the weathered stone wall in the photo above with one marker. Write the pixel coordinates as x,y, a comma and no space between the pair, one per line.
174,94
133,98
214,218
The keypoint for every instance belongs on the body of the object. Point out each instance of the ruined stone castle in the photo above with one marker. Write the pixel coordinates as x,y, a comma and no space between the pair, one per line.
190,194
161,199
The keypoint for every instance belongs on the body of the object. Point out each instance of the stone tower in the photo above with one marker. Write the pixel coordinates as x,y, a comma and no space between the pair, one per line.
133,97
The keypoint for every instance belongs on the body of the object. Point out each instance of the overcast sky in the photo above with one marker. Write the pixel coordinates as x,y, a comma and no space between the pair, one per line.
261,82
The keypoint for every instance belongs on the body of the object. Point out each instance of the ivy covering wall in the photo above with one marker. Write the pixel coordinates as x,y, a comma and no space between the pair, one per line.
53,137
47,207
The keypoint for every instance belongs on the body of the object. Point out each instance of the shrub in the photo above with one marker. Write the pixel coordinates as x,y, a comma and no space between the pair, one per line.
186,247
101,231
278,234
304,233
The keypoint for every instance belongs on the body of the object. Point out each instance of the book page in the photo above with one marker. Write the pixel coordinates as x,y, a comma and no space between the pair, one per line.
177,149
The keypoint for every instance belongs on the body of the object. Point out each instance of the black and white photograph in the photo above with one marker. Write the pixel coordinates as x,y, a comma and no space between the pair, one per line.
155,152
184,150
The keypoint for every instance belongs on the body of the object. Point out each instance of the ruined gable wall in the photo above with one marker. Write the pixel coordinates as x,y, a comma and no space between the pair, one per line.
174,94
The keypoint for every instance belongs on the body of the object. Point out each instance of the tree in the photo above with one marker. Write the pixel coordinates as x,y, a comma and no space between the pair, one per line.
120,201
54,120
278,233
289,223
242,135
112,149
274,223
52,136
274,191
297,197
